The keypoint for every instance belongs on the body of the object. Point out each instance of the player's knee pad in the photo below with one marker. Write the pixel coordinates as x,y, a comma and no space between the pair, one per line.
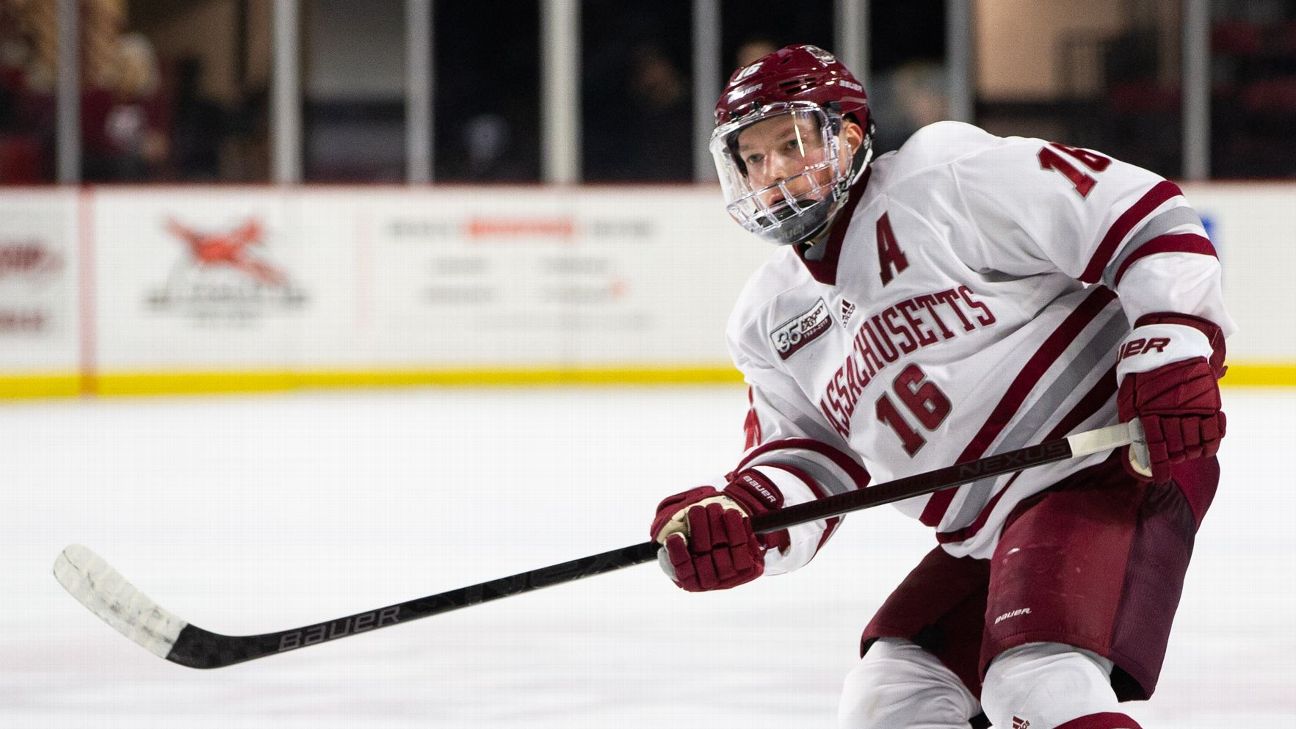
1048,685
897,685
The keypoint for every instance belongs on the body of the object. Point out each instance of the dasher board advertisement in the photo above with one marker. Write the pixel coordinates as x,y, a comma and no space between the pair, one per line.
40,327
548,277
115,290
198,279
211,280
1253,231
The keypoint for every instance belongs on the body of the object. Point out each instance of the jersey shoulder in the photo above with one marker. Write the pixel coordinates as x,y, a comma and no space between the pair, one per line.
780,273
941,145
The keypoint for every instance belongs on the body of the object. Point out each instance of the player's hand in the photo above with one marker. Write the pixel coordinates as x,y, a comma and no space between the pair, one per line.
1169,367
1178,405
706,535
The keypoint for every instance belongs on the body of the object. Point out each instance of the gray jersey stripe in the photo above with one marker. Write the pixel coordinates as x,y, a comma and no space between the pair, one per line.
811,426
831,478
1158,225
1089,357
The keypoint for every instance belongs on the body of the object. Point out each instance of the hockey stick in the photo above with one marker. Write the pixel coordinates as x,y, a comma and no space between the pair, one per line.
107,594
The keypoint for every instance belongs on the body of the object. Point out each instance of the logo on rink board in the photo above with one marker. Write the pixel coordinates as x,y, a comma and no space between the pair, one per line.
224,278
30,271
30,260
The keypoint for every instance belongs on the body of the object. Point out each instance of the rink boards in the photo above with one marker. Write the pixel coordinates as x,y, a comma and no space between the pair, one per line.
192,289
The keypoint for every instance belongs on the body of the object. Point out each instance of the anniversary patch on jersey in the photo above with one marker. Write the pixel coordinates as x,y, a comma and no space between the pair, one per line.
790,337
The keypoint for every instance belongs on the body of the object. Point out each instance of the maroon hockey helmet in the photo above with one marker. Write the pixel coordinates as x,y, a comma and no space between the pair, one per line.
785,157
795,73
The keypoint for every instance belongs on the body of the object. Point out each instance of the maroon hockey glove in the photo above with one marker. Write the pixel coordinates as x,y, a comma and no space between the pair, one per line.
1178,405
1169,367
707,537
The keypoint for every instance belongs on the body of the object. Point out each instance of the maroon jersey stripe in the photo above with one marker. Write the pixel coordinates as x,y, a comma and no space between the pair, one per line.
970,530
843,461
1021,387
751,424
1150,201
1098,395
1105,720
1179,243
819,492
824,270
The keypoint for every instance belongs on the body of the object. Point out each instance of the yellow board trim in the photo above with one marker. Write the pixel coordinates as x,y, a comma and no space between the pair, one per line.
40,385
174,383
1246,374
1260,374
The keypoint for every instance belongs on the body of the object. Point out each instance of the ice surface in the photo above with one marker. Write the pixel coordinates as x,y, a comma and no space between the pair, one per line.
252,514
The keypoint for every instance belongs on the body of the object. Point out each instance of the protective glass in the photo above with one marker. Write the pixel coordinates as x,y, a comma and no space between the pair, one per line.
782,170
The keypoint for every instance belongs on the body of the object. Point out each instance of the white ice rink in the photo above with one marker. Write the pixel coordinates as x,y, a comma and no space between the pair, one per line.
254,514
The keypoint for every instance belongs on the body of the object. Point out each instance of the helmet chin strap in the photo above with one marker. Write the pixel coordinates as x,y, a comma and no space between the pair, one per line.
809,247
860,159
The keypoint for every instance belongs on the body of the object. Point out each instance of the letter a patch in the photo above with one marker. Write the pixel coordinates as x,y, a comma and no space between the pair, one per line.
889,253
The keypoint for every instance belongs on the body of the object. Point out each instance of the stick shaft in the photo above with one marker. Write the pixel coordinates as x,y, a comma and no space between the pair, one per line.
86,576
198,648
920,484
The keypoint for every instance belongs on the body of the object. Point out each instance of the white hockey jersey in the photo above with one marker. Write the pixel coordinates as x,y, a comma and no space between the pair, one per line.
969,300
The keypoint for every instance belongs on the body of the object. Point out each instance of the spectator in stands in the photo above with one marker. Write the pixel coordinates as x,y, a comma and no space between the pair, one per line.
123,121
909,98
649,135
26,93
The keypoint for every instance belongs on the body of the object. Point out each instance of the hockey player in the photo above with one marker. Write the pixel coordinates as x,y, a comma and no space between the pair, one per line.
964,295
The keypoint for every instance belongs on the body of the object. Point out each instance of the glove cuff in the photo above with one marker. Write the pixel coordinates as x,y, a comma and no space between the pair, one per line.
754,491
1161,339
757,494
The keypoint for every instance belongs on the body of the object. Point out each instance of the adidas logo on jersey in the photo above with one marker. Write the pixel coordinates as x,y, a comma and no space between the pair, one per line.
847,308
1019,723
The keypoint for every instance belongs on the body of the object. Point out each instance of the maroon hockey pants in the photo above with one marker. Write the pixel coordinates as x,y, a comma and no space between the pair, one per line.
1097,562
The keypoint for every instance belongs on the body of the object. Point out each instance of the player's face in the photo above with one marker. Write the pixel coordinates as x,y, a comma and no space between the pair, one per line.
782,148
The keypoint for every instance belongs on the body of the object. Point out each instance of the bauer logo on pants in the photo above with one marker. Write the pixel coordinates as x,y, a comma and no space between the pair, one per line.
801,330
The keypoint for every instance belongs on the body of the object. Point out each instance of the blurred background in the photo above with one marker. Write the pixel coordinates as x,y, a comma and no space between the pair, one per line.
485,196
603,91
321,192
